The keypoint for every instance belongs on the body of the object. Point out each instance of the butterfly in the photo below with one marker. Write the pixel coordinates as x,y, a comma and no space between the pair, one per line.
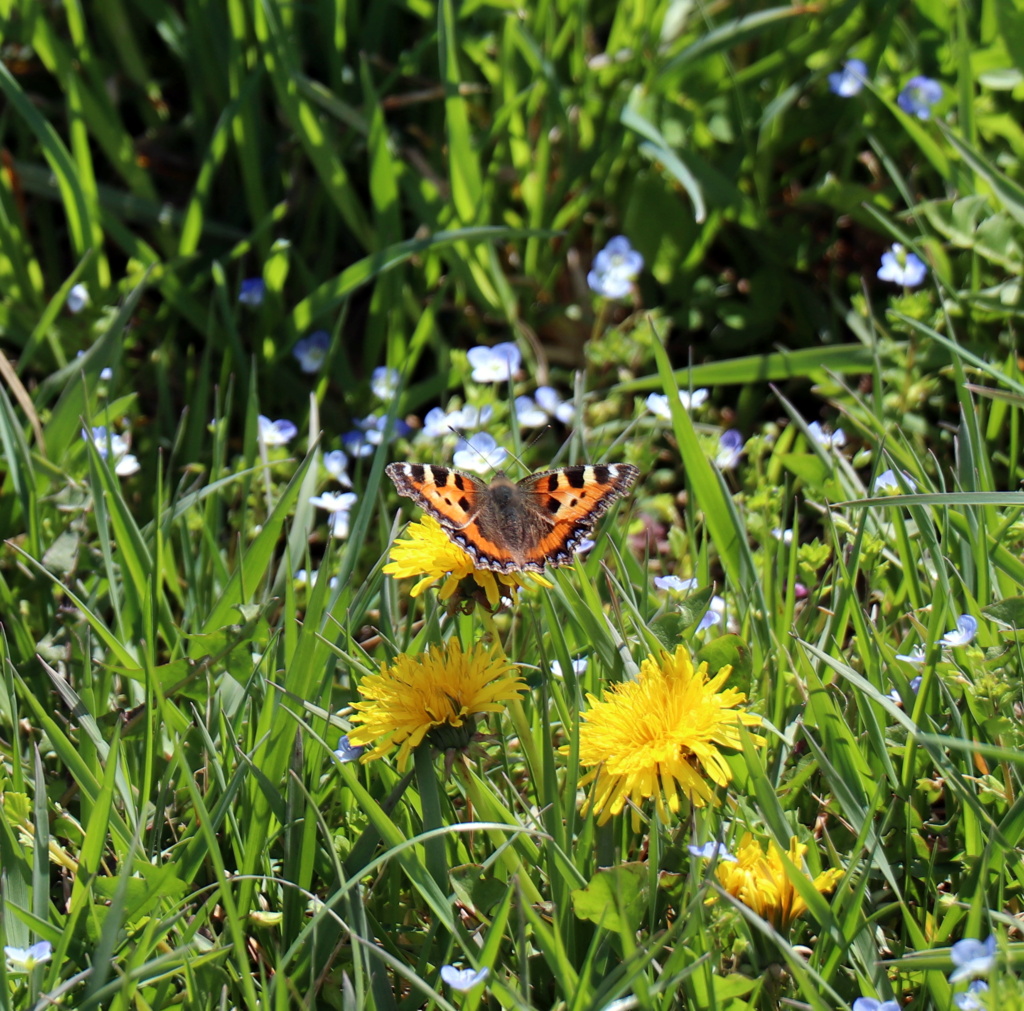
516,526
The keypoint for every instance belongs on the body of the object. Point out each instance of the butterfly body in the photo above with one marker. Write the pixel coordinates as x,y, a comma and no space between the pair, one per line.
516,526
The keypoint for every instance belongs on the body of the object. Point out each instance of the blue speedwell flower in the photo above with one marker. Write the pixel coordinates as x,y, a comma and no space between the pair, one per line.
385,381
887,481
532,412
579,667
902,267
873,1004
657,403
26,959
674,584
826,439
479,453
969,1001
336,464
494,365
963,634
730,448
346,752
712,851
338,505
78,298
972,958
463,980
276,433
615,269
918,96
251,292
311,351
850,80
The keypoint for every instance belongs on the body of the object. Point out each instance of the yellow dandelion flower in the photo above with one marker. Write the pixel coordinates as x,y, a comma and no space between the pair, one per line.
430,553
660,736
761,881
434,696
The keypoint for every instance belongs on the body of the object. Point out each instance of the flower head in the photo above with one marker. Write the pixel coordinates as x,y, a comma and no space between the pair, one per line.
579,667
276,433
963,634
887,481
435,696
78,298
918,96
336,464
532,412
850,80
615,269
498,364
828,440
712,851
428,552
657,403
346,751
968,1001
972,958
761,881
251,292
369,434
26,959
873,1004
463,980
674,584
116,446
339,505
730,449
385,382
311,351
901,267
479,453
660,736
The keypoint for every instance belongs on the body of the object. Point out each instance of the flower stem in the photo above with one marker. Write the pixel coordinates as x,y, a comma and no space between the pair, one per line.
430,802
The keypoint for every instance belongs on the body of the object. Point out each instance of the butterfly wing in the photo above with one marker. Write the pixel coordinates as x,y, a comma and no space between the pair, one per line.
451,497
572,499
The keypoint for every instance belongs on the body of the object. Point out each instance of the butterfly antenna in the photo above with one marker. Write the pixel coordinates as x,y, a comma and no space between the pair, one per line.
483,456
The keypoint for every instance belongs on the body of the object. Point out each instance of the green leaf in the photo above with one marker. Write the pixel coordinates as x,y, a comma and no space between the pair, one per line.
615,898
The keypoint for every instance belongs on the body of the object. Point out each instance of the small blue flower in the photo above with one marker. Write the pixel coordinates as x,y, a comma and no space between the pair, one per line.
972,958
710,619
463,980
915,656
887,481
915,684
26,959
498,364
479,453
826,439
439,423
311,351
850,80
969,1001
657,403
385,382
674,584
615,269
336,464
712,851
369,434
276,433
338,504
962,635
346,752
730,448
125,464
901,267
872,1004
78,298
532,412
252,291
579,667
918,96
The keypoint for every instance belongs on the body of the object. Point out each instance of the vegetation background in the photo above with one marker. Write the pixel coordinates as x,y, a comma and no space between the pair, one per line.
415,179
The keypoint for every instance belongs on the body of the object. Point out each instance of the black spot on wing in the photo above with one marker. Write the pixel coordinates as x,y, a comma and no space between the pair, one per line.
601,474
553,505
416,472
464,503
460,484
576,476
553,483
